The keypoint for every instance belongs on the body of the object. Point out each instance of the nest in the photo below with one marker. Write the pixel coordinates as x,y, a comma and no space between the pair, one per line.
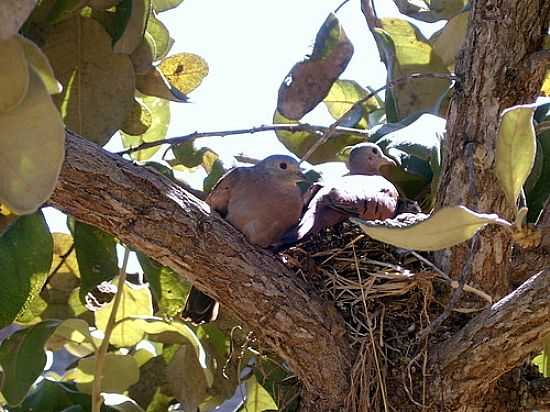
387,296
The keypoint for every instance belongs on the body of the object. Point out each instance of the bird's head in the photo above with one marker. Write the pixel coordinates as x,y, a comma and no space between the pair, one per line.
284,167
367,159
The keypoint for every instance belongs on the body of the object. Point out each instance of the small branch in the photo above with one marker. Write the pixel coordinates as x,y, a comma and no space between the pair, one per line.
337,9
331,130
102,351
497,340
263,128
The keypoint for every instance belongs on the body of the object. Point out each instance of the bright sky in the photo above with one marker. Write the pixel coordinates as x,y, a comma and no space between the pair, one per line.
250,46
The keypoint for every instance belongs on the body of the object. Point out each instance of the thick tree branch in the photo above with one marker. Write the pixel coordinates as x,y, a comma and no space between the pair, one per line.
499,339
149,212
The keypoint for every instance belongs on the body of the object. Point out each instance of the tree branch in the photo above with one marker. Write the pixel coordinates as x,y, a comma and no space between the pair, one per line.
497,340
149,212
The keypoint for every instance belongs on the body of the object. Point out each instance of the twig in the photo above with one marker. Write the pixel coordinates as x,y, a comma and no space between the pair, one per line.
457,293
62,259
330,131
337,9
102,351
263,128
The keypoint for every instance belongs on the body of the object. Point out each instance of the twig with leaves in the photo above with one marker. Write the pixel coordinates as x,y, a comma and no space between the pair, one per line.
102,351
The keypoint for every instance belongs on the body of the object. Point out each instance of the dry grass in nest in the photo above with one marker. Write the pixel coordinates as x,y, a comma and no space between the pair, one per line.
386,296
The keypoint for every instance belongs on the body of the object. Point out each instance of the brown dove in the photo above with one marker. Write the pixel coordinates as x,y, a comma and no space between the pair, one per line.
362,193
263,202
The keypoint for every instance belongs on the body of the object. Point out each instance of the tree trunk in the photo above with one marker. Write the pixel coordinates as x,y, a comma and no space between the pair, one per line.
495,73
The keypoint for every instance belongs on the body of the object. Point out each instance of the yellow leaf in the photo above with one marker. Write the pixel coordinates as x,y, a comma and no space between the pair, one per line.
119,373
447,42
32,141
153,83
516,148
445,228
185,71
14,81
136,301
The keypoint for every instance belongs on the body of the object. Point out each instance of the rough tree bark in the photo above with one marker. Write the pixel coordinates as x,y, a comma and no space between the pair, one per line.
496,73
159,218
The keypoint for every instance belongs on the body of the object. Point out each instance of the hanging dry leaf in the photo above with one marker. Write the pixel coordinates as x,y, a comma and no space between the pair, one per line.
309,81
153,83
515,149
445,228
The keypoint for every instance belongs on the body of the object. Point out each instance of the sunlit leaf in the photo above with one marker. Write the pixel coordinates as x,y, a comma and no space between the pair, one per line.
23,359
138,121
160,36
405,51
299,142
185,71
121,403
74,335
431,10
98,84
13,14
96,255
135,301
25,258
39,62
515,149
164,5
32,149
257,398
445,228
543,360
160,119
309,81
134,28
341,97
166,287
154,83
448,41
119,373
15,79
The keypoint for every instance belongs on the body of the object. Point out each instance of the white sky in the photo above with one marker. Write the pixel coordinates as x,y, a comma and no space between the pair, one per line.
250,45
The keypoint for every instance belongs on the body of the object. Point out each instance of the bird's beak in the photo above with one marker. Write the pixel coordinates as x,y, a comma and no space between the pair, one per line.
300,176
386,162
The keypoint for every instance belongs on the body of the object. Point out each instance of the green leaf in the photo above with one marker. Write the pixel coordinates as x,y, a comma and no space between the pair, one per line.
32,150
341,97
135,301
159,110
299,142
445,228
50,396
309,81
167,288
39,62
185,71
134,29
74,335
139,120
63,9
25,258
164,5
257,398
96,255
119,373
13,14
15,79
98,84
216,172
540,191
404,51
160,37
22,358
187,378
431,10
447,42
515,149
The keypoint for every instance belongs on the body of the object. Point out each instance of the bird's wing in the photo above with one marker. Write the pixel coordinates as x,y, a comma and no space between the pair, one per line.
219,196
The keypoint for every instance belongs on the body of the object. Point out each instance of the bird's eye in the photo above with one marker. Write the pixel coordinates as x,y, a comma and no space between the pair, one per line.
374,150
283,165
